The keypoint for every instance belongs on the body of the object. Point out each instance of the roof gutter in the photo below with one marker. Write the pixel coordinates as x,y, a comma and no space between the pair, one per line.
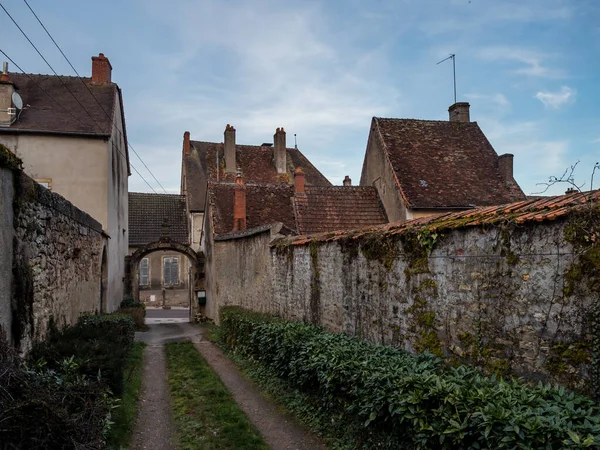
54,133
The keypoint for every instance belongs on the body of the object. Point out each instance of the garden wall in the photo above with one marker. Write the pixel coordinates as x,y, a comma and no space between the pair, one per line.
510,296
50,257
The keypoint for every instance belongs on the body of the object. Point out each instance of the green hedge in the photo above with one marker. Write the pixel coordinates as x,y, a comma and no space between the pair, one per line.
413,401
99,344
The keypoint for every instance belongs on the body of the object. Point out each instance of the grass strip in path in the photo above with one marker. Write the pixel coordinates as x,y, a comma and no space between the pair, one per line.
204,412
124,416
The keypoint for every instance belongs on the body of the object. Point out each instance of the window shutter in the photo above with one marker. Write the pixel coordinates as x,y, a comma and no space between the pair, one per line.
171,270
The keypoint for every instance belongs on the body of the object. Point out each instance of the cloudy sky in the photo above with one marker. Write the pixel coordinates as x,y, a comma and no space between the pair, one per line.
322,69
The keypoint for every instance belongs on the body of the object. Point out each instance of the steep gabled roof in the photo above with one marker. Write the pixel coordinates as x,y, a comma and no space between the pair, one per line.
256,162
52,107
265,204
153,217
323,208
444,164
338,208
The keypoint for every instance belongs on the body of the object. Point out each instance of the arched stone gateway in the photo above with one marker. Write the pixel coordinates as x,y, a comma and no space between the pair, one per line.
196,263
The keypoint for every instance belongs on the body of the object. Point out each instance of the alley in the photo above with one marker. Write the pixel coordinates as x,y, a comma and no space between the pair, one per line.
154,428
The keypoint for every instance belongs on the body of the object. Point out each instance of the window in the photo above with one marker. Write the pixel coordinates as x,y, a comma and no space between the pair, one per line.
144,272
46,182
170,270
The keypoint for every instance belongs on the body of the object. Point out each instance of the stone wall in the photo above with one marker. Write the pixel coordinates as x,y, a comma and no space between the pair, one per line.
55,263
511,299
239,273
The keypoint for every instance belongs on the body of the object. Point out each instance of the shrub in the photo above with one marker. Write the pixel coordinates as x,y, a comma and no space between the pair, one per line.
99,344
138,315
42,408
412,401
129,302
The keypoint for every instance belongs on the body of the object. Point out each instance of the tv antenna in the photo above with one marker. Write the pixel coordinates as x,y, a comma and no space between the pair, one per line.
295,142
453,57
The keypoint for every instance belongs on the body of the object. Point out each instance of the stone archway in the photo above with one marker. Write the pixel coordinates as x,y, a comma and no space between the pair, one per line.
196,264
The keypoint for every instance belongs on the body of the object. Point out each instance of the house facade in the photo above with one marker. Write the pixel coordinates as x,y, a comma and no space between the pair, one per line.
163,275
426,167
204,162
70,133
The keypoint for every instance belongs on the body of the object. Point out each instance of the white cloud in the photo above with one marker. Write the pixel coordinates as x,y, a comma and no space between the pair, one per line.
555,100
531,63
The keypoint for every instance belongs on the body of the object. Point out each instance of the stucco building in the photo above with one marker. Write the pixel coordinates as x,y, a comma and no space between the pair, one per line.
164,275
70,133
429,167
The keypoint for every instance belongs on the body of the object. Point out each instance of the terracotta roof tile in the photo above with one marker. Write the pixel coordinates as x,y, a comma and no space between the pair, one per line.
321,209
338,208
156,216
265,204
546,209
445,164
256,162
45,113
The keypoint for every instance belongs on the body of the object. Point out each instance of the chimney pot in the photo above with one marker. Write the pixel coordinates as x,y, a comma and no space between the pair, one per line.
101,69
347,181
4,71
186,143
230,163
505,165
280,151
459,112
299,181
239,204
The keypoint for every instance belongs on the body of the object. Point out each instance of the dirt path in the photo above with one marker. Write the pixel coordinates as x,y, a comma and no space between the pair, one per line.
153,428
279,431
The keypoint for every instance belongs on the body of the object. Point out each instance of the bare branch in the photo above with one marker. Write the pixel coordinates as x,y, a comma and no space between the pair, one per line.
567,177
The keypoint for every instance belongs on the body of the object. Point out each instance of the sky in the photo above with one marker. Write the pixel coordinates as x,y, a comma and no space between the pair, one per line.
322,69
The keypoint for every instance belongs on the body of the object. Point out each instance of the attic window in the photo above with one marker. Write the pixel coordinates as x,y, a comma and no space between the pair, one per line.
423,183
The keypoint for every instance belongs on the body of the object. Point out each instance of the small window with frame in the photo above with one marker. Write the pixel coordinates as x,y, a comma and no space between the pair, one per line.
46,182
144,272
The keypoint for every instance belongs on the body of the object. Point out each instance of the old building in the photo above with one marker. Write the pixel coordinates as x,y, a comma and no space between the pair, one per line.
203,162
70,133
164,275
241,219
427,167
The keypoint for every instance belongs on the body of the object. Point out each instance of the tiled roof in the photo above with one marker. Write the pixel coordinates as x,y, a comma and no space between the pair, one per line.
540,210
265,204
156,216
444,164
338,208
256,162
46,93
321,209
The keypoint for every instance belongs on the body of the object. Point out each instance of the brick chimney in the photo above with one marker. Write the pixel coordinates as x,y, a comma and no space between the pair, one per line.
280,150
299,181
459,112
6,92
505,165
101,69
186,143
229,133
347,181
239,204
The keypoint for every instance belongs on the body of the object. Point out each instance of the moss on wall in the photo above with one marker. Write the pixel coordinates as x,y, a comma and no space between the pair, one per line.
9,160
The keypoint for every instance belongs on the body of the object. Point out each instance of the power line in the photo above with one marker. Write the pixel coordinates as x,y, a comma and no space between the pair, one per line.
67,110
91,93
50,66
